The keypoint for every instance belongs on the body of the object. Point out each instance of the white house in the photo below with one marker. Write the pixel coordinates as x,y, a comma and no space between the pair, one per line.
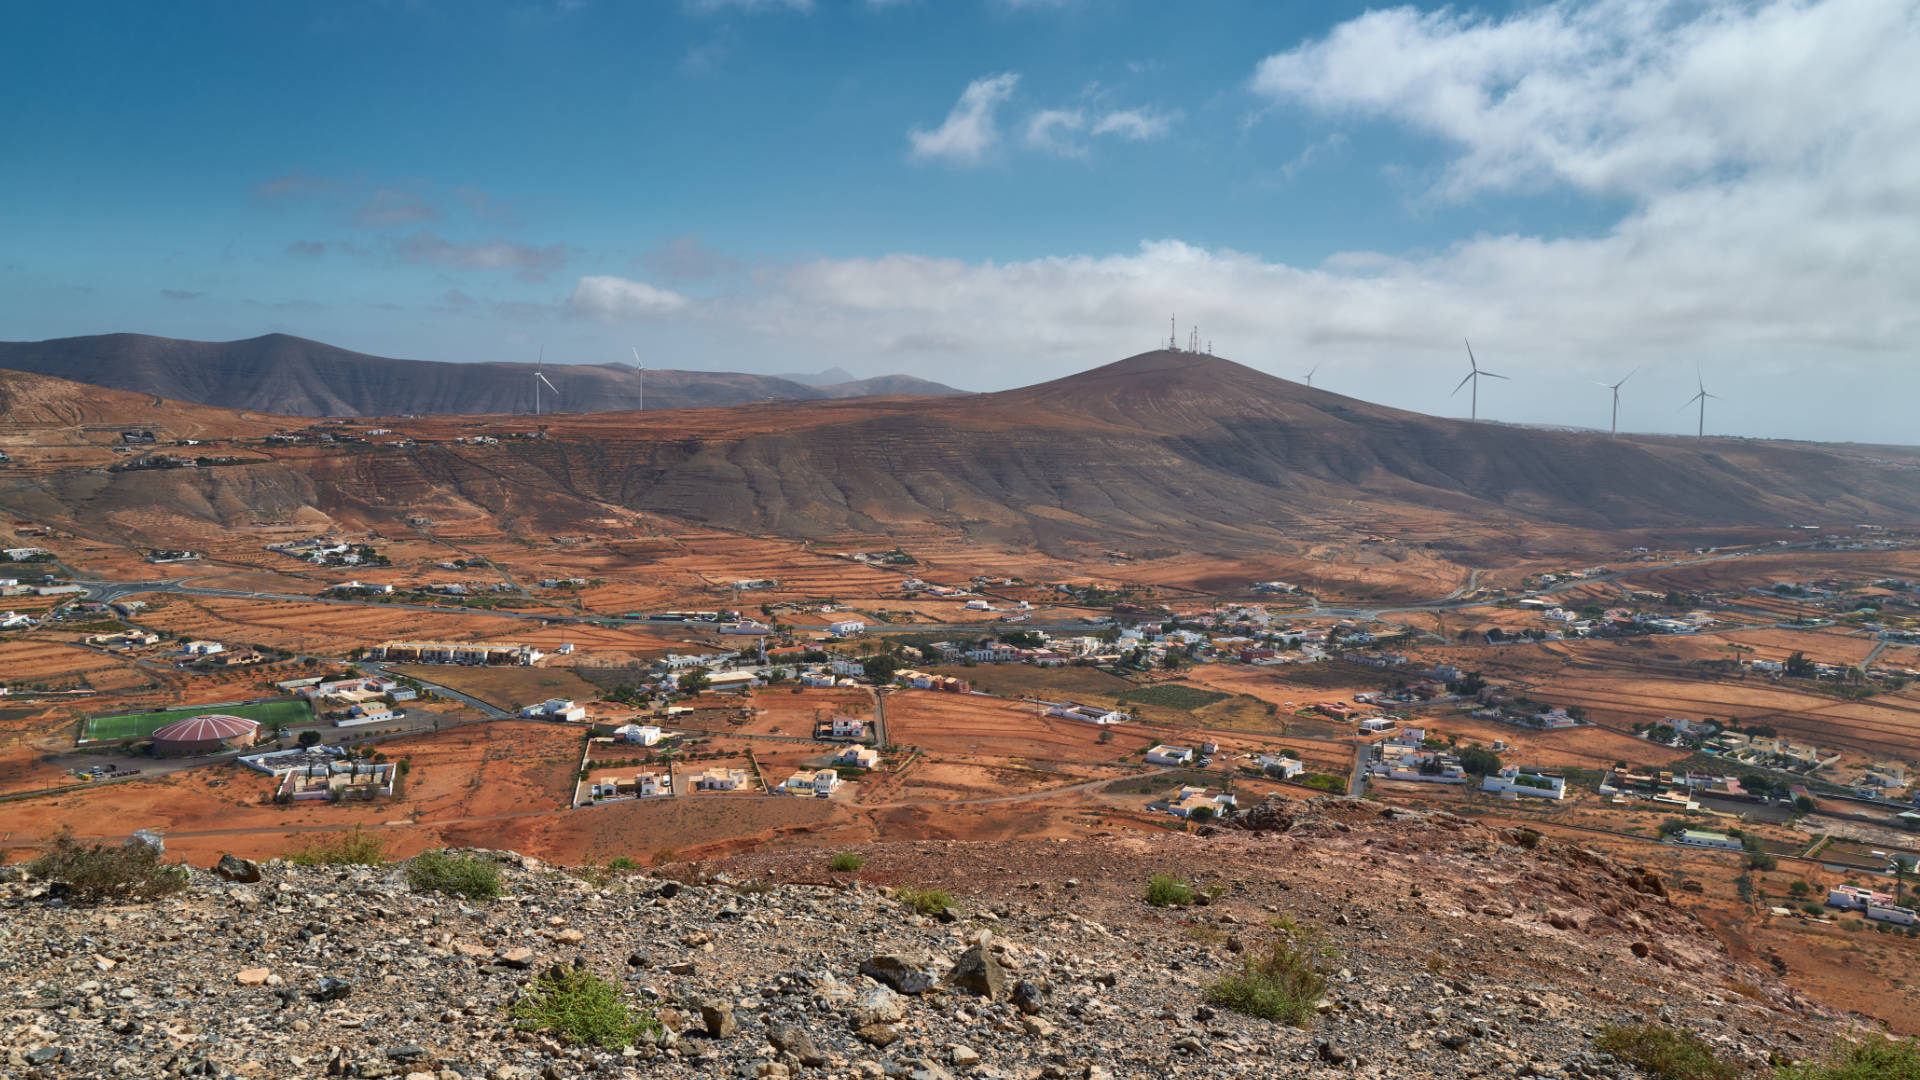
1891,913
635,733
1089,714
1163,754
1193,798
849,666
844,727
559,709
204,648
1703,839
846,627
1375,724
863,757
1856,898
1514,781
816,678
733,680
818,784
14,620
719,780
1289,767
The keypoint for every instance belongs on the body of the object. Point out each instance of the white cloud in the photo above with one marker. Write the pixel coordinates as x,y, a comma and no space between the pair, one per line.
612,299
971,130
1135,125
1620,96
1050,130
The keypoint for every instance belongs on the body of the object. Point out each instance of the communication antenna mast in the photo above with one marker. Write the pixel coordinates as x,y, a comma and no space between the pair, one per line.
1173,334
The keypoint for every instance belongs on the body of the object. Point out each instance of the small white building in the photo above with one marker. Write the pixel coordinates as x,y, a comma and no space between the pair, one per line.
1513,780
862,757
719,780
204,648
1856,898
559,709
725,681
1089,714
818,784
1169,755
844,727
817,678
1288,767
636,733
1703,839
1193,798
846,627
1891,913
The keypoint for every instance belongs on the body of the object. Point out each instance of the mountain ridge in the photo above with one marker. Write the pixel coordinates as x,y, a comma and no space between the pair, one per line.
293,376
1221,458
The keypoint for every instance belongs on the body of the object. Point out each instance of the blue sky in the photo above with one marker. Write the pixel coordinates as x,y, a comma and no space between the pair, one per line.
989,192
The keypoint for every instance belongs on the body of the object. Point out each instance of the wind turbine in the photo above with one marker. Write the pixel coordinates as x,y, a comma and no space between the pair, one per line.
1474,377
1308,378
1701,397
1615,387
642,370
538,378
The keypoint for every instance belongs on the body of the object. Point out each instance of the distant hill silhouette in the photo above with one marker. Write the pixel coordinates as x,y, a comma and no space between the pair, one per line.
292,376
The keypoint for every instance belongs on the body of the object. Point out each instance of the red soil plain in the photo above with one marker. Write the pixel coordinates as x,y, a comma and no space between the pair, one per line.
963,767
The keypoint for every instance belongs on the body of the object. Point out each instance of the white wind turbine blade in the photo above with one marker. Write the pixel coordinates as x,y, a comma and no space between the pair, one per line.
1491,375
1471,362
636,358
549,382
1463,383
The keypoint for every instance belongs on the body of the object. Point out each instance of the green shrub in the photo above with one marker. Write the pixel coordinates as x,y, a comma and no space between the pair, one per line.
622,863
95,873
474,877
1664,1053
845,862
356,847
1875,1058
1165,890
1280,984
925,901
581,1008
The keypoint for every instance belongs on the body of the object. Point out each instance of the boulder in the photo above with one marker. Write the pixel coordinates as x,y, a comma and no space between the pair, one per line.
718,1017
980,972
905,974
234,868
879,1005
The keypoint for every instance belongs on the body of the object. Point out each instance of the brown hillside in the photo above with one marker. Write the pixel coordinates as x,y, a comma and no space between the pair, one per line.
1160,448
293,376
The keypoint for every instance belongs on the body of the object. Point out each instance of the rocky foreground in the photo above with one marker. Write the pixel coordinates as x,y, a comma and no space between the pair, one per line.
1451,949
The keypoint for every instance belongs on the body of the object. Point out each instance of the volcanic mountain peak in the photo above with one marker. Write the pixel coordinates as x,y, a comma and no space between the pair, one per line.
1169,387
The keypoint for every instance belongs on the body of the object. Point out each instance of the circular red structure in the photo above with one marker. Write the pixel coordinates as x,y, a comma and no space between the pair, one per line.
207,734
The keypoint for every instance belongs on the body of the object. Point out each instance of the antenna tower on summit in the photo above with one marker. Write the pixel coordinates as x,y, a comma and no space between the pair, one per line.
1173,334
